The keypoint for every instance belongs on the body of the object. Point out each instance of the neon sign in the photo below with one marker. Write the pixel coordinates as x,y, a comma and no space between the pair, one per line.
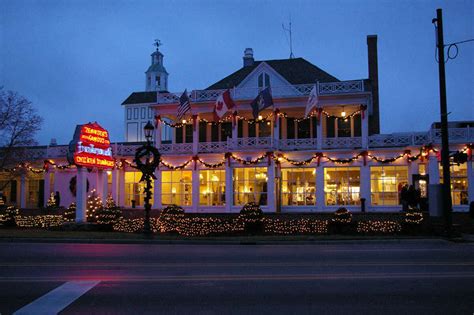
90,147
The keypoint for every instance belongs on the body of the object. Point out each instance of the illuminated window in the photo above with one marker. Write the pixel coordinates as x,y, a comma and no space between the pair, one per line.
212,188
387,183
250,185
298,186
342,185
176,188
135,190
459,184
32,200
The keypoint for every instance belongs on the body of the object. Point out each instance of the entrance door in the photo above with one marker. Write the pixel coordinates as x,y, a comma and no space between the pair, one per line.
421,182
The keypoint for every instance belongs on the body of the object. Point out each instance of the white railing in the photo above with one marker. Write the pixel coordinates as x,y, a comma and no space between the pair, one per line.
176,148
456,135
57,151
249,143
298,144
345,143
277,91
210,147
342,87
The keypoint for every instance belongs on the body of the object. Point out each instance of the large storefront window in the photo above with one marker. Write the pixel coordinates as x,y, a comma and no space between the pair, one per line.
212,188
298,186
135,190
176,188
342,185
387,183
458,184
250,185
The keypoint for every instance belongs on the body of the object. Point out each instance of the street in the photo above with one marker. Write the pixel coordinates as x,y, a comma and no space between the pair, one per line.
389,277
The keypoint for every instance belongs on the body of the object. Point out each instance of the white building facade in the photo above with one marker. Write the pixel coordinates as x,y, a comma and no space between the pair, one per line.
282,160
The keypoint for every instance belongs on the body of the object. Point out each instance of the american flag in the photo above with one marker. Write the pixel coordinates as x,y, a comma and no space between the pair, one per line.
184,105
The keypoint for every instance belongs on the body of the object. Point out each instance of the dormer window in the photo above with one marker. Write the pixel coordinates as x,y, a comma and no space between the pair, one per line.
263,81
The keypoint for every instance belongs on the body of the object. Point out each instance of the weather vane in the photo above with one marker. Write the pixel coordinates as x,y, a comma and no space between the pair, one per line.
157,44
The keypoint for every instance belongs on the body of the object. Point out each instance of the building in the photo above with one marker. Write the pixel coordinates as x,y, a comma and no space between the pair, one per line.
282,160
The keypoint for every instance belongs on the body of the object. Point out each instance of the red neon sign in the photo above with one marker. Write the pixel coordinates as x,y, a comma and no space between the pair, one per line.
92,147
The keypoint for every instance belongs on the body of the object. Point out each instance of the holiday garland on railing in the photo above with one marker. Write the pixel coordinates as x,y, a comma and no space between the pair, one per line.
278,157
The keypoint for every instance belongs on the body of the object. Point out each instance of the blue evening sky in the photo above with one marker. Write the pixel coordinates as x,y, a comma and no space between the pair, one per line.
78,60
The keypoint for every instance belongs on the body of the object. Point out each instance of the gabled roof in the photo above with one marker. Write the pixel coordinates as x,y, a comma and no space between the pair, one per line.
141,98
295,71
157,67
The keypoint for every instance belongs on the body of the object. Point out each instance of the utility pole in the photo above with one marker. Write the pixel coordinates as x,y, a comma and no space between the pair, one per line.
447,202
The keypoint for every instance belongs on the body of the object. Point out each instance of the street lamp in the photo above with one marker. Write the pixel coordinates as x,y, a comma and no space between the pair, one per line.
147,159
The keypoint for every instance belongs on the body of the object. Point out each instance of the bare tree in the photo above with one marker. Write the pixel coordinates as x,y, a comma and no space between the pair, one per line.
19,123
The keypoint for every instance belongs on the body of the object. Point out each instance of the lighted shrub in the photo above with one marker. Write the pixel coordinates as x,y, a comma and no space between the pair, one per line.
109,215
251,216
70,214
11,213
170,218
341,216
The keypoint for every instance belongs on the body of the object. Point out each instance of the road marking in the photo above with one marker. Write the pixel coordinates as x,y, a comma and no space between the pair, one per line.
257,277
58,299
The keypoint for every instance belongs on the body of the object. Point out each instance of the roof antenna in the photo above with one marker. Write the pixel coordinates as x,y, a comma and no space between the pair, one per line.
291,38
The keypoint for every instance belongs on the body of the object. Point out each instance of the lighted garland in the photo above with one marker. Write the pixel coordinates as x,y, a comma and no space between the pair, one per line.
379,227
342,216
245,162
209,165
414,217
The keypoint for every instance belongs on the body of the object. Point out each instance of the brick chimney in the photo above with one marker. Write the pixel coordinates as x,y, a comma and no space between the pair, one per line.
374,117
248,57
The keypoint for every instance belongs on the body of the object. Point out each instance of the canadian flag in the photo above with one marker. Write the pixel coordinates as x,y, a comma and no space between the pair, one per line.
224,103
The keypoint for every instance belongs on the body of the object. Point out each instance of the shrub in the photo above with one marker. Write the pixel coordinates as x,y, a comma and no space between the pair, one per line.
9,218
342,216
251,216
414,216
70,213
169,218
109,215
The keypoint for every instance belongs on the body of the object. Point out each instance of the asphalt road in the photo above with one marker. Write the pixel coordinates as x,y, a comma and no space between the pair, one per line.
422,277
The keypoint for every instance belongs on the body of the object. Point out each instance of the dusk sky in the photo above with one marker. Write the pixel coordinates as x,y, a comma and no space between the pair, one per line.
78,60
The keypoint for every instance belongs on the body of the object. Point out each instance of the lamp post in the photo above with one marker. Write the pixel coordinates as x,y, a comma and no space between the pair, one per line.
147,159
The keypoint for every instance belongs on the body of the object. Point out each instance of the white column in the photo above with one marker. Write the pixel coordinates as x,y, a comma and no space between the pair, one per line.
271,198
413,169
114,188
23,191
235,131
365,185
319,131
320,200
229,188
365,130
276,132
99,184
121,188
81,194
433,169
470,181
195,122
157,190
195,190
47,187
158,133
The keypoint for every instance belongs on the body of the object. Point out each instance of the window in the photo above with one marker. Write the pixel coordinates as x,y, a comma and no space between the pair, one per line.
189,133
202,131
166,131
263,80
314,123
150,113
132,132
226,131
357,119
33,193
290,128
135,190
343,127
298,186
304,129
252,128
179,135
176,188
129,113
143,112
250,185
342,185
459,183
240,128
212,188
264,129
330,127
387,183
158,81
135,113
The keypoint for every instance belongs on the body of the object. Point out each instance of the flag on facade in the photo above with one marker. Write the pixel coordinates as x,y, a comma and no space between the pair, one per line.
263,100
184,105
313,101
224,103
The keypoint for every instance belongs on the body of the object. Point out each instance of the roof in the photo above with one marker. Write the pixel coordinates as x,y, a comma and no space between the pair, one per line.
295,71
141,97
157,67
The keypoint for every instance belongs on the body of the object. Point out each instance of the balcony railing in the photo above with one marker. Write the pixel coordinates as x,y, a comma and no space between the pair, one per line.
329,88
456,136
